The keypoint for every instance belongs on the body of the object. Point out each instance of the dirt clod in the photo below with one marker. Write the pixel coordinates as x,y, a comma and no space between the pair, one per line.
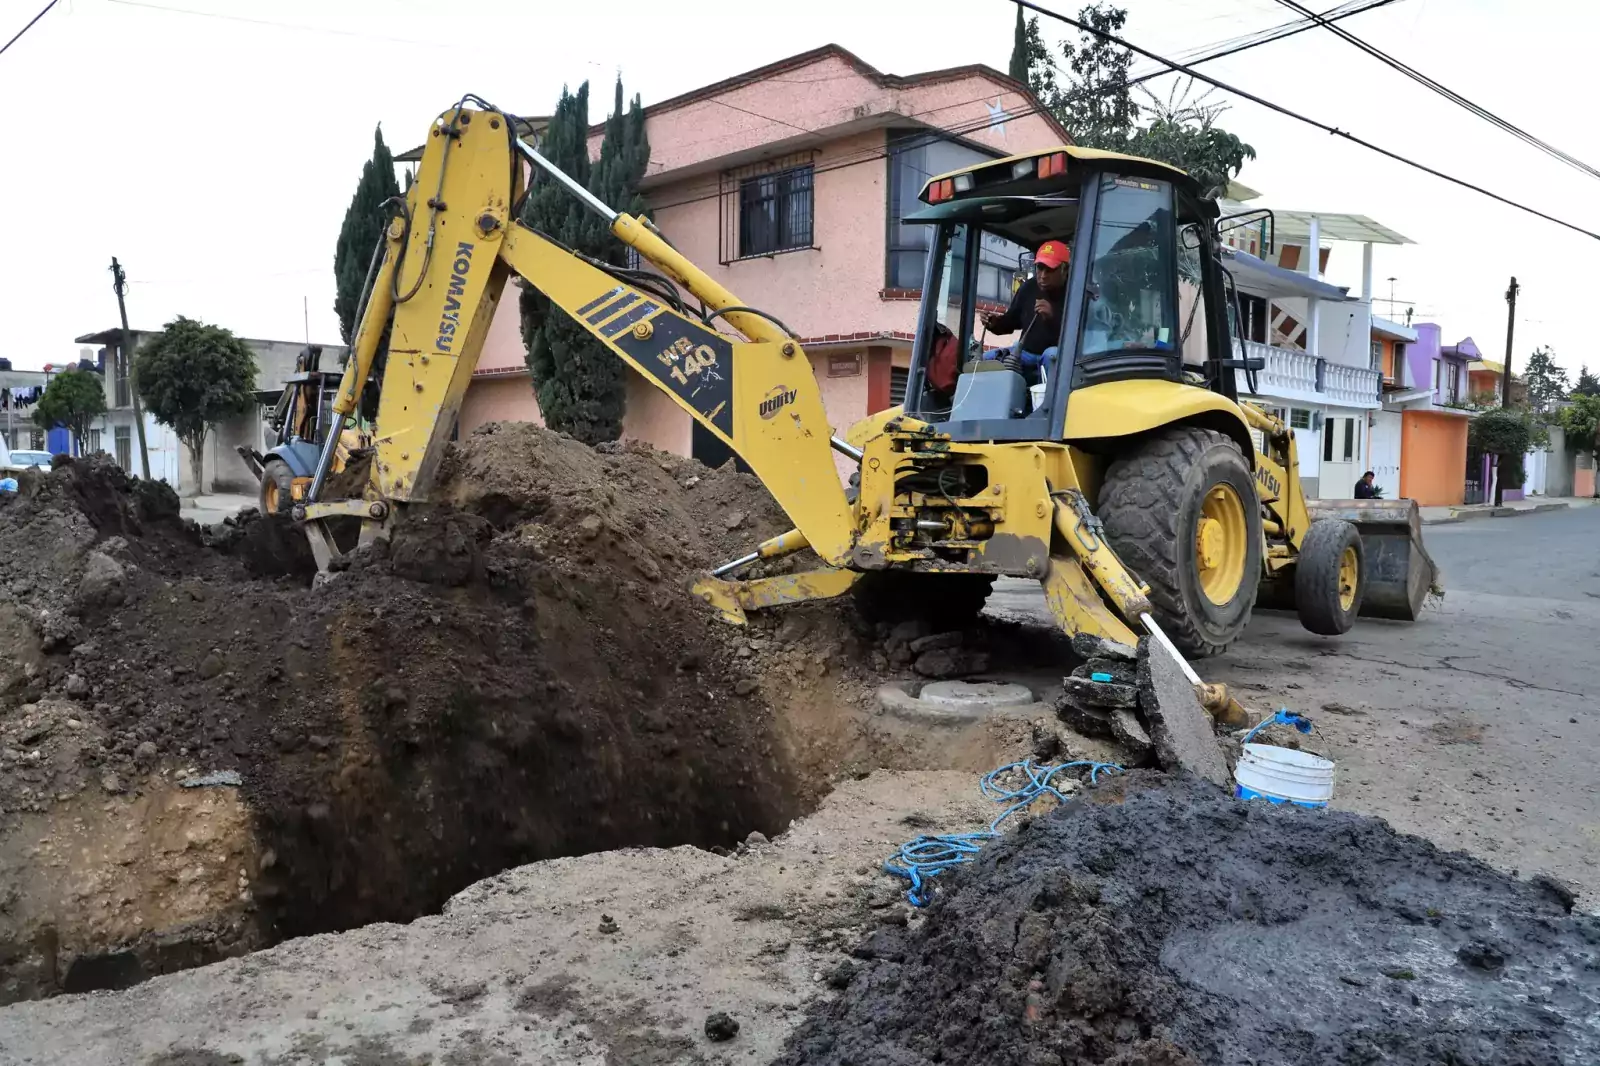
720,1027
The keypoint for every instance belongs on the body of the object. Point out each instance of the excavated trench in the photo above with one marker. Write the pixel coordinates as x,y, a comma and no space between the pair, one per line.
520,674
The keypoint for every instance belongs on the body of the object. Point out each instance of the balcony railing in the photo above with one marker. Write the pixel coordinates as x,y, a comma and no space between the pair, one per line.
1291,375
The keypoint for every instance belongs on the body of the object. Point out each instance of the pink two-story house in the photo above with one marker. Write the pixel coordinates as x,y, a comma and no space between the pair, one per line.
786,184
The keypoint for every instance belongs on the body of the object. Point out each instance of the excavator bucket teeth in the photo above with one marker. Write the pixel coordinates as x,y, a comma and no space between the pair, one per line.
1399,572
732,599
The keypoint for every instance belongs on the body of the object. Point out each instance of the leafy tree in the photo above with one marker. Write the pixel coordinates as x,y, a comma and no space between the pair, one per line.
1546,382
73,398
1507,433
1098,110
1031,63
580,383
1581,422
1588,384
193,376
364,222
1184,132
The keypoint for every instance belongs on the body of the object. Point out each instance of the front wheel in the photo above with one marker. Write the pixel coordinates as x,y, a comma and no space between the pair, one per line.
277,487
1329,577
1181,512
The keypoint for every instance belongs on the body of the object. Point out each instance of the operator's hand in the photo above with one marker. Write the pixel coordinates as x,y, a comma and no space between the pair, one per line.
1042,307
991,321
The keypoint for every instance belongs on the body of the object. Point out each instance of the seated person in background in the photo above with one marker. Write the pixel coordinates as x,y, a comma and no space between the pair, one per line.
1036,310
1364,487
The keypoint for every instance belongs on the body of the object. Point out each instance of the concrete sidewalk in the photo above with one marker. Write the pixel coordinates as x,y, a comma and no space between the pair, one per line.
1433,516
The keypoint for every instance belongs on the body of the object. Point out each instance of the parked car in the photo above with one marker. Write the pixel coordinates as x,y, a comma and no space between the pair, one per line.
40,460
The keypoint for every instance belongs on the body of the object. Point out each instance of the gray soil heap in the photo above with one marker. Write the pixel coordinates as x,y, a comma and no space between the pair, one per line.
1159,921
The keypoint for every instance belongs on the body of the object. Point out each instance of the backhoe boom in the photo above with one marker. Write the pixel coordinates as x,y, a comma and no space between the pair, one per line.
445,267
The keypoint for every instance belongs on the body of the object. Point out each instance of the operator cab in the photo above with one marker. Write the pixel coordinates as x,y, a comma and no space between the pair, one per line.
1144,294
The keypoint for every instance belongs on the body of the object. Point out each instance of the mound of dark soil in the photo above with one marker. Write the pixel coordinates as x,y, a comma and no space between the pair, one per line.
1163,922
522,672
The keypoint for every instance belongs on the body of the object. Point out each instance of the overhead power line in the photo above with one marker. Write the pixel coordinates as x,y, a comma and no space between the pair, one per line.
1449,94
1235,45
1298,117
29,26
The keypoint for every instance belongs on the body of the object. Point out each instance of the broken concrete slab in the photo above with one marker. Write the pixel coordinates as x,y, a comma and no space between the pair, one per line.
1100,693
1180,729
1090,721
1121,671
1130,733
1089,646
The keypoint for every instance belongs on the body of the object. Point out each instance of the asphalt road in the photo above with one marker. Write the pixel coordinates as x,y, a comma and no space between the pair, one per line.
1478,726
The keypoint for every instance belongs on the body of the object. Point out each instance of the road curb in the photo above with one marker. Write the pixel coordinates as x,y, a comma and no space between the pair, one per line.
1495,512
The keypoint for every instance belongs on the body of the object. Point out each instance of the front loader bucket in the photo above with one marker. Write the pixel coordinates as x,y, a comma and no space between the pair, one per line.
1399,571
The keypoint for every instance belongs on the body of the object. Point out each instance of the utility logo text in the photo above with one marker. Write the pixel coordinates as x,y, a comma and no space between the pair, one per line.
451,318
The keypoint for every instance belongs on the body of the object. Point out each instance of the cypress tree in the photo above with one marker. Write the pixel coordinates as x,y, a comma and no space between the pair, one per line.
364,222
581,385
1021,57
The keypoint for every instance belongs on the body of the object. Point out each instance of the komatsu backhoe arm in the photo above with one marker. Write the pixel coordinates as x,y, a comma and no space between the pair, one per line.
445,264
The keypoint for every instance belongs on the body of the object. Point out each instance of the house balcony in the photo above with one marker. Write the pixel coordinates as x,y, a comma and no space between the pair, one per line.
1298,377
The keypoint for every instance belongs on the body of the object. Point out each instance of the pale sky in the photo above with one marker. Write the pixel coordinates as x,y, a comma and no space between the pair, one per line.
213,145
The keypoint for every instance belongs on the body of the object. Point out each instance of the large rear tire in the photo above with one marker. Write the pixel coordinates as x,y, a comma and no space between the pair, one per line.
277,487
1181,512
1330,577
947,601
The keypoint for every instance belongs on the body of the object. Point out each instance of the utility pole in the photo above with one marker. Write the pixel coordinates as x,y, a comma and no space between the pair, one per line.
119,284
1505,379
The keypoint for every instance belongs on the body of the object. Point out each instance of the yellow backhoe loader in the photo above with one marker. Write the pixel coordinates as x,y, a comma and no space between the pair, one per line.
1128,479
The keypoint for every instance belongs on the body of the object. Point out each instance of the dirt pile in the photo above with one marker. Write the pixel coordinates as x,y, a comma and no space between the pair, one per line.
1162,922
521,673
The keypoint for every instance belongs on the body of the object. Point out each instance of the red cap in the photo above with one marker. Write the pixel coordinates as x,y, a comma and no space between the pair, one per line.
1052,254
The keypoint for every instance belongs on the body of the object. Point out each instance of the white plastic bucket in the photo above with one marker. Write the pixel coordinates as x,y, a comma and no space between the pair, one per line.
1283,775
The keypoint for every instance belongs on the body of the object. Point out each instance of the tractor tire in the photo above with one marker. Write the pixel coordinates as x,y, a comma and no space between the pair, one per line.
1329,577
1181,512
277,487
947,601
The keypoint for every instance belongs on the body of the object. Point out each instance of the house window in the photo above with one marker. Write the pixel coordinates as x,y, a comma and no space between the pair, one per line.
1438,374
1455,382
775,212
94,441
898,376
124,448
1396,360
913,159
1300,418
1377,355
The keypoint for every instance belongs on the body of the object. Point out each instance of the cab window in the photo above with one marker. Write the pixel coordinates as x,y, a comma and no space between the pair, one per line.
1131,299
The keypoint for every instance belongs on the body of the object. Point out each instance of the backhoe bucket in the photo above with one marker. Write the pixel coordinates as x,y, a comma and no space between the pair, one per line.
1399,571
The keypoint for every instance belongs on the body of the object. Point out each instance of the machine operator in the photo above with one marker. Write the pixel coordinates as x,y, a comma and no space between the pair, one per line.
1036,310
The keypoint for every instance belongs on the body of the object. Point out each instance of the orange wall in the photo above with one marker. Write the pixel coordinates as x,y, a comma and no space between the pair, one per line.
1433,449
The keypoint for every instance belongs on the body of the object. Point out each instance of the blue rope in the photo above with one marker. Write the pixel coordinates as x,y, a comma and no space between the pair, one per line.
926,857
1282,717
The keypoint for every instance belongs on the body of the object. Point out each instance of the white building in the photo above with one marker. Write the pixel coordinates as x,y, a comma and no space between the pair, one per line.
1323,375
169,460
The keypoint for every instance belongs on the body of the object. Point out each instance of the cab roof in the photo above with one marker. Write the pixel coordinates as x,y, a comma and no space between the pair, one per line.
1094,156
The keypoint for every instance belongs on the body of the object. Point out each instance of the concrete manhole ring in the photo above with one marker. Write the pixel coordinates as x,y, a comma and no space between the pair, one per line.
957,702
